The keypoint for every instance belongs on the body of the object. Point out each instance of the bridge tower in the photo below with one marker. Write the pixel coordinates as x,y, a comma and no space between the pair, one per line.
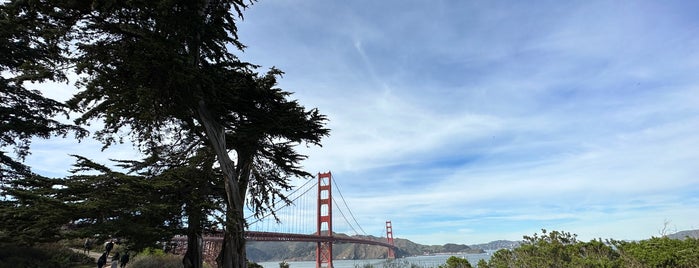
389,238
324,250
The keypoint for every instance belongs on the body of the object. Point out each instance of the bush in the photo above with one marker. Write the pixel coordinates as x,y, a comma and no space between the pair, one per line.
456,262
556,249
156,261
156,258
153,252
560,249
43,255
660,252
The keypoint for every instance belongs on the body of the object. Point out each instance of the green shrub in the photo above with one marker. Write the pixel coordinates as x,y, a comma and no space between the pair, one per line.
556,249
43,255
155,258
153,252
560,249
456,262
156,261
660,252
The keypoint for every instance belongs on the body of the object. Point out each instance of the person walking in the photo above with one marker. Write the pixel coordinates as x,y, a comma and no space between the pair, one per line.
102,260
124,259
87,245
109,246
115,260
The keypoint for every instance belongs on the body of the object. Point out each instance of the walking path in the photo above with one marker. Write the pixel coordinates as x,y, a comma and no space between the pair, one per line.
94,254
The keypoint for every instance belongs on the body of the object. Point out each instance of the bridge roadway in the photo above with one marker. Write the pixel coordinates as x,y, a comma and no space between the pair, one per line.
272,236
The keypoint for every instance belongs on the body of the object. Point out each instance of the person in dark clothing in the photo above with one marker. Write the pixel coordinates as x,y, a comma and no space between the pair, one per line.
102,260
124,259
109,246
87,246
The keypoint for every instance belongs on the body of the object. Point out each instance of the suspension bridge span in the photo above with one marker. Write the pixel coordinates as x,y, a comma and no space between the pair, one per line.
323,235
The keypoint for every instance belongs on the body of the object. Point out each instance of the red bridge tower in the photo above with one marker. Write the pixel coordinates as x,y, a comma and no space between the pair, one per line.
324,251
389,238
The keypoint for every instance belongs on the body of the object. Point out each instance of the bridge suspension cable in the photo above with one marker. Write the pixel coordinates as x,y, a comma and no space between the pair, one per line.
337,187
296,213
280,204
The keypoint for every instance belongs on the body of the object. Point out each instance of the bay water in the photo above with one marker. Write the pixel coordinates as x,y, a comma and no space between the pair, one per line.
428,261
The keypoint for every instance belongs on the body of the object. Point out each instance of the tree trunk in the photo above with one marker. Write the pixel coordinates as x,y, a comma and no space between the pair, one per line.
233,249
193,257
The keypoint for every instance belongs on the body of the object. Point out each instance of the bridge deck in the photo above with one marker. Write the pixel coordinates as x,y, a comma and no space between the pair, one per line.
272,236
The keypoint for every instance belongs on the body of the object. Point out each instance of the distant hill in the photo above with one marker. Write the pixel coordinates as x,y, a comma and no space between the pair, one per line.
305,251
499,244
685,234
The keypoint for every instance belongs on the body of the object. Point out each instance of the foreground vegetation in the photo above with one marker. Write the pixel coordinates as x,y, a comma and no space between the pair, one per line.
42,255
548,249
561,249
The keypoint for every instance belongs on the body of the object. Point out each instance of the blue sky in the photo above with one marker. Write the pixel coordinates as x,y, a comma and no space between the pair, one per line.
472,121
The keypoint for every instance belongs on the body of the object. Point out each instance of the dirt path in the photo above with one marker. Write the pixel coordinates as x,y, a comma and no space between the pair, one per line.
94,254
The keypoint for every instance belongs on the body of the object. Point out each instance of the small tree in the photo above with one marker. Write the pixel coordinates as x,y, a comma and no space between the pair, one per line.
456,262
503,258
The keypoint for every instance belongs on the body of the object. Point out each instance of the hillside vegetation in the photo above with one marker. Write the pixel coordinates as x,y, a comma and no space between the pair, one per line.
305,251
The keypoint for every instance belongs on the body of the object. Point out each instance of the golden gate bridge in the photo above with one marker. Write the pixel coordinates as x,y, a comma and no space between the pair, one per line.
295,214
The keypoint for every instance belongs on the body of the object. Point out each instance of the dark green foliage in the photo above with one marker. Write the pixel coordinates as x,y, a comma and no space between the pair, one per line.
595,254
553,249
31,215
561,249
107,203
43,255
456,262
503,258
156,261
163,71
556,249
660,252
27,54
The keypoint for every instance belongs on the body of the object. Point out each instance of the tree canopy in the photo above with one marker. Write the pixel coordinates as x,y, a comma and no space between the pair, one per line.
164,72
27,55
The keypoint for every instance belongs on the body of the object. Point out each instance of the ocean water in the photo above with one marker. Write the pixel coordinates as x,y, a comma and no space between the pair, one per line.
431,261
